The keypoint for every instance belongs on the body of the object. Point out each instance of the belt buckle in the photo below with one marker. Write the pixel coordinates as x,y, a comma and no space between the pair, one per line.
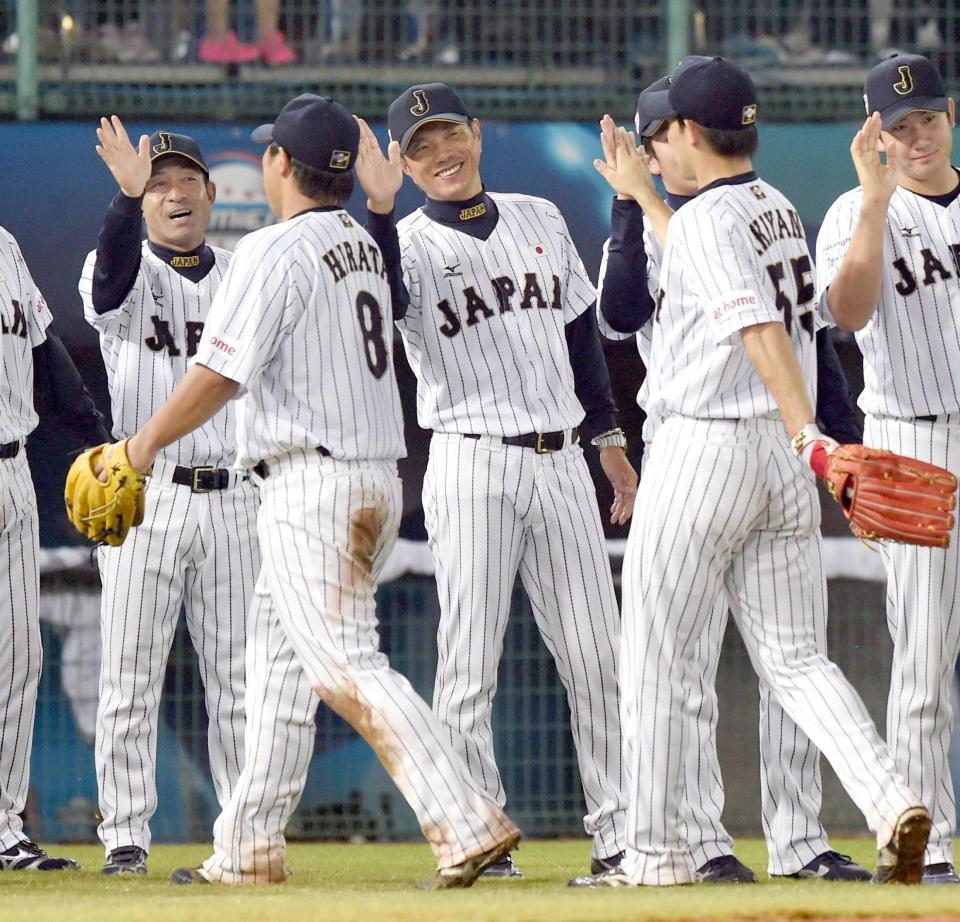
540,450
197,471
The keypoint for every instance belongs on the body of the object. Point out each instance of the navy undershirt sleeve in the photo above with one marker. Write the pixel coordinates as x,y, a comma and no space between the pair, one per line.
591,380
834,404
625,300
59,389
383,229
118,253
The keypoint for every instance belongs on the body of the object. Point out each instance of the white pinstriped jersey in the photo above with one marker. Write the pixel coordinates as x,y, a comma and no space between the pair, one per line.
147,344
911,345
484,331
736,255
302,322
24,318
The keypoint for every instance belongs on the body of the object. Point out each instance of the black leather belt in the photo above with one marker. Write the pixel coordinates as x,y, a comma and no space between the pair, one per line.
541,442
201,479
262,469
10,450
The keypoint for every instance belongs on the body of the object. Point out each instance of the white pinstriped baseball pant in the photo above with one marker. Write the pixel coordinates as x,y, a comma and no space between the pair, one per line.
492,510
724,505
923,616
20,654
326,528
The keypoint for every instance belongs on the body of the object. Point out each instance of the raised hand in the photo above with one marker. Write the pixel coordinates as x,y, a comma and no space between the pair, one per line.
624,167
878,179
130,167
380,177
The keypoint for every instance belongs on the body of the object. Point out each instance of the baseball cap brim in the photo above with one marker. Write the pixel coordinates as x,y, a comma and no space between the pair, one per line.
440,117
179,153
656,106
263,134
894,113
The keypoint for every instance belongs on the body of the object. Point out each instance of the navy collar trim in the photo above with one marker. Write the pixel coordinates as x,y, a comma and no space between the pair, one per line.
737,180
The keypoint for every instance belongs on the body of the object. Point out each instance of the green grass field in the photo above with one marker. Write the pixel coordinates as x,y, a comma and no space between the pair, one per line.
378,882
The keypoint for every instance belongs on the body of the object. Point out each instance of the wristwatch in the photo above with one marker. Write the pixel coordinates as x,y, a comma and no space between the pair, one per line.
612,438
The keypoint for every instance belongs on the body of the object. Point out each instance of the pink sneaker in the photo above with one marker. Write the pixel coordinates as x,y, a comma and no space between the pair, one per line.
228,51
276,52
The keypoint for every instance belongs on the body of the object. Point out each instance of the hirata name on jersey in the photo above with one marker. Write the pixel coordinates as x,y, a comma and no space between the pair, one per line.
359,256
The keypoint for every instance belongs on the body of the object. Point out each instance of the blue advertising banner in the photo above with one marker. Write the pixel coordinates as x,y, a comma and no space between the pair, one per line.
56,188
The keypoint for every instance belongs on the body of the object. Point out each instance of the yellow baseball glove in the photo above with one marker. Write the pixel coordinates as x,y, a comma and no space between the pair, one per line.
104,510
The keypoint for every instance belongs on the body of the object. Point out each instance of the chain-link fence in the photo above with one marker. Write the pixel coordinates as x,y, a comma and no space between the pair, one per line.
348,795
227,59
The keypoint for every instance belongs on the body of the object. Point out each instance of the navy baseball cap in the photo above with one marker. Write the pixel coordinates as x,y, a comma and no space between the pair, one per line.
712,92
316,131
902,83
166,143
646,124
427,102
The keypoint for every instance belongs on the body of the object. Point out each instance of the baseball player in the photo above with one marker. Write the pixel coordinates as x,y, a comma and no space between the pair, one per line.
727,503
197,547
790,789
889,258
496,313
300,331
37,373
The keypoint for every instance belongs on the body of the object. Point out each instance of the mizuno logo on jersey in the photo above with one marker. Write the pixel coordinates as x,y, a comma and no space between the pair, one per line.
504,289
450,272
359,256
774,225
909,232
934,266
163,337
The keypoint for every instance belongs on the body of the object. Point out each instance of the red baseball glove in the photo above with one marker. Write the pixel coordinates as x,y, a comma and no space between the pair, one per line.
890,497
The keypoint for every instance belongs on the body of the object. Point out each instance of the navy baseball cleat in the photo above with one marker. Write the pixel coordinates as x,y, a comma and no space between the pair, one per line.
727,869
465,873
940,873
27,856
830,866
901,860
504,868
190,876
599,865
127,859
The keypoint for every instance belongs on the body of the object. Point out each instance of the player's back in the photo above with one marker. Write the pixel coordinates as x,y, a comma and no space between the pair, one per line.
319,288
736,255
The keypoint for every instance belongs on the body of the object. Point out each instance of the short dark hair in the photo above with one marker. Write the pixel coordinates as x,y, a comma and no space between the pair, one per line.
647,144
320,185
741,142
